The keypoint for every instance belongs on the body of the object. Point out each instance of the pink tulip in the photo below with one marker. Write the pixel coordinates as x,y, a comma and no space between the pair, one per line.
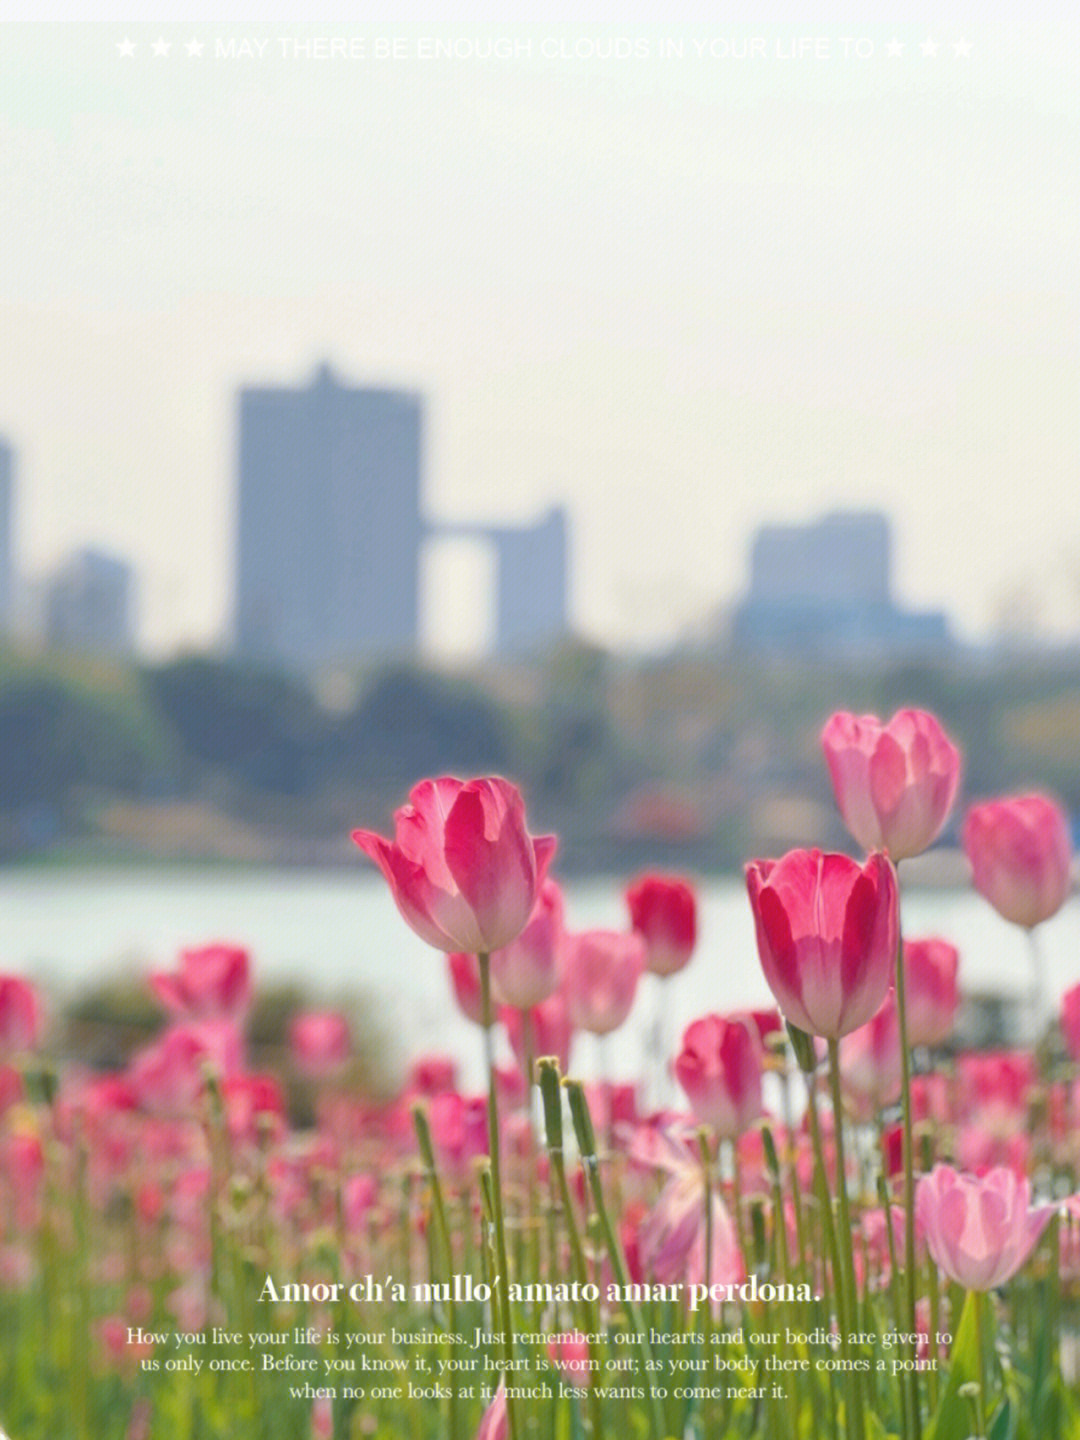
719,1067
359,1195
254,1108
319,1041
569,1353
458,1130
463,869
1070,1021
20,1015
870,1062
895,784
464,972
671,1239
603,968
529,969
979,1231
552,1031
213,982
1020,855
493,1425
168,1075
11,1088
432,1075
933,998
663,909
827,935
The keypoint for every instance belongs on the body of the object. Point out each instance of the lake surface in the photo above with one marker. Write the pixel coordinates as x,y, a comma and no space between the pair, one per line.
339,933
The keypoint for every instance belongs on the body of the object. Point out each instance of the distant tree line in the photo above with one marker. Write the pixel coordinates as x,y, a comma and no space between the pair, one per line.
580,730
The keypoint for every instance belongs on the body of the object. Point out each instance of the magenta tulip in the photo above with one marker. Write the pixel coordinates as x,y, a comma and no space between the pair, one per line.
20,1015
213,982
719,1068
979,1230
895,784
827,935
462,867
870,1062
663,909
529,969
603,968
933,997
1020,854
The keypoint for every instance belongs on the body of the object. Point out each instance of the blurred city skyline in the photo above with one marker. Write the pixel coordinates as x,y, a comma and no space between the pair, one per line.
681,293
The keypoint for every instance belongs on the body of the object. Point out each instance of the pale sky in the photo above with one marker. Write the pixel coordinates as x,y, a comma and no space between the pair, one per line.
683,296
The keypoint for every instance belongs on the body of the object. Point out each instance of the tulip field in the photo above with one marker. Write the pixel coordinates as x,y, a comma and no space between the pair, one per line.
837,1223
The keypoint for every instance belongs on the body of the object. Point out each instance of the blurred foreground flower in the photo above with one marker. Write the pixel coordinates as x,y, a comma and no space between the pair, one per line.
895,783
20,1015
663,910
603,968
933,997
210,983
1020,855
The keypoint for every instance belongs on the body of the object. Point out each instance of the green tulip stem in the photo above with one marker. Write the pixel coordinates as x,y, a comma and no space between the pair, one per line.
910,1276
484,962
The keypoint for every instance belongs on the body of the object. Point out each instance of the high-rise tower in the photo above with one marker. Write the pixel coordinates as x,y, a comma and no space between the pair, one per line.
329,530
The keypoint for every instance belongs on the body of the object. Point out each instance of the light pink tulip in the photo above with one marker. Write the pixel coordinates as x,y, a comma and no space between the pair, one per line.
980,1231
827,935
212,982
719,1067
603,968
933,997
529,969
671,1239
319,1041
20,1015
895,783
870,1062
663,909
1020,854
462,867
1070,1021
494,1424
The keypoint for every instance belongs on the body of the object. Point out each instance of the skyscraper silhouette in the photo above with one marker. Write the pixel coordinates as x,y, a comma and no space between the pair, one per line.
329,528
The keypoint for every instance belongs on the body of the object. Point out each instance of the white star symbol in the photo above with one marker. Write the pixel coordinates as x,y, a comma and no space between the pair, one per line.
929,47
895,47
194,47
962,47
161,47
126,46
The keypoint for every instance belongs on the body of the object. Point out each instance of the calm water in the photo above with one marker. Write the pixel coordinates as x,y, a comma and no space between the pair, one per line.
339,932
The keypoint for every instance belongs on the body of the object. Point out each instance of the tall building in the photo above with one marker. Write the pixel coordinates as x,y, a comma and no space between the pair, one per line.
532,583
7,562
827,586
88,604
329,522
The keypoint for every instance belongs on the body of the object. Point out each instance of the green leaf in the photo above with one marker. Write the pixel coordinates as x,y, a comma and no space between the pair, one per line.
953,1420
